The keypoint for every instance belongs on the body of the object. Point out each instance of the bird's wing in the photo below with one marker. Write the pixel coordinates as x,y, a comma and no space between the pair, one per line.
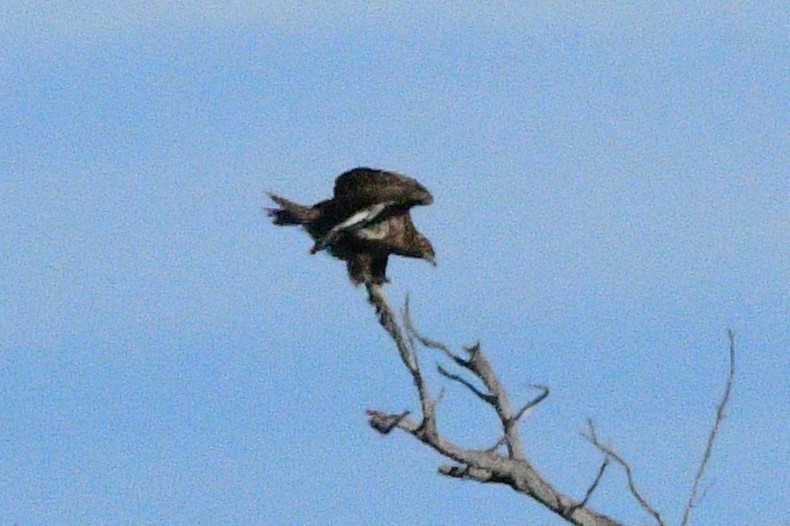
356,222
363,187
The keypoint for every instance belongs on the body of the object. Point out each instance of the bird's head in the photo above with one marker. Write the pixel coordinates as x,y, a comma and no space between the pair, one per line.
421,195
417,194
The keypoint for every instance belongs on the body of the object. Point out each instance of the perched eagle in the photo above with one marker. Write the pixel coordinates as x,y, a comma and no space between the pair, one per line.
366,220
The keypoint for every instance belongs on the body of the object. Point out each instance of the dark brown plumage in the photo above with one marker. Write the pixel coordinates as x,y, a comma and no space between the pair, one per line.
366,220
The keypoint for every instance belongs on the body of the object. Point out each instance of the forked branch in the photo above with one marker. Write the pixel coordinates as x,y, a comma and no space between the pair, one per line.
510,467
611,454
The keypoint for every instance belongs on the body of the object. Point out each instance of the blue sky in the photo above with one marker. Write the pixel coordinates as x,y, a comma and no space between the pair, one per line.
611,194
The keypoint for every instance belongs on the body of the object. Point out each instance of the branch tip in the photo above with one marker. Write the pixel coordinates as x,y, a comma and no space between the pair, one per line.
472,349
609,452
486,397
694,497
534,402
593,486
384,423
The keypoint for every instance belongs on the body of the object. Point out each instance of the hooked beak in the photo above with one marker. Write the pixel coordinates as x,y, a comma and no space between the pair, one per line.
431,260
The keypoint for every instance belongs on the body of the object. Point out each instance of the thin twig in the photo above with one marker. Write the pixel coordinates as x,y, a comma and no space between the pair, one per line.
427,342
594,484
487,398
406,317
534,402
720,414
503,439
643,502
407,353
385,423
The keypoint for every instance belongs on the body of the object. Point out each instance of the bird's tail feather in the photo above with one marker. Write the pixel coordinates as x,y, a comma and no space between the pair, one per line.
290,213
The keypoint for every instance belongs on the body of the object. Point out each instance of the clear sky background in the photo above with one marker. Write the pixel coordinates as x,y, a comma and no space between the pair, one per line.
611,194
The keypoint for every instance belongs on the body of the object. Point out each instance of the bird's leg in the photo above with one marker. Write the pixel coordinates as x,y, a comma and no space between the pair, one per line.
356,222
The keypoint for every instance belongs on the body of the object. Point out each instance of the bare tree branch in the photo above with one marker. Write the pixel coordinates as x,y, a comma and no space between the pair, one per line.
499,442
595,482
407,354
426,342
385,423
512,468
534,402
487,398
467,473
503,439
609,452
720,414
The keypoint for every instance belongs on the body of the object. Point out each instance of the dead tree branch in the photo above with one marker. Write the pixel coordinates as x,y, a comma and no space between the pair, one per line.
595,482
610,453
534,402
694,498
511,467
405,350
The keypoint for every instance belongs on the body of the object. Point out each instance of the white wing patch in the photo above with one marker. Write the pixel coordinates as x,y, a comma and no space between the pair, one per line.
357,222
375,232
361,218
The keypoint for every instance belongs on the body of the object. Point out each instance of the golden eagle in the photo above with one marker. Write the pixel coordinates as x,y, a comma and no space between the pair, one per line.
366,220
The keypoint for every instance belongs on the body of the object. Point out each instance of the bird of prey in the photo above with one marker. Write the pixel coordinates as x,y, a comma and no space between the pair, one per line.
366,220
